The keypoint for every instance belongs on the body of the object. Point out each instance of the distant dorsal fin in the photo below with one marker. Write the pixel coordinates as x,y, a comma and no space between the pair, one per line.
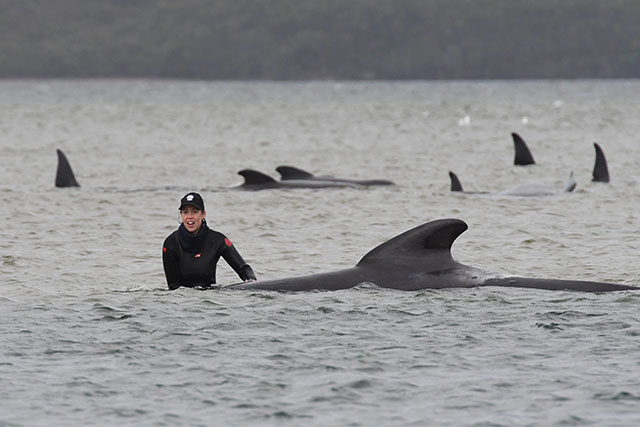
290,172
433,239
571,183
523,155
253,177
64,174
600,168
456,185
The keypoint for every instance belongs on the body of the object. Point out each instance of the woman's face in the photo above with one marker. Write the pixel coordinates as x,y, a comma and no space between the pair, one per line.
192,218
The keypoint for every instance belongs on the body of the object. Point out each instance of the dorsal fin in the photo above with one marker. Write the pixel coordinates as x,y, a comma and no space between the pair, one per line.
523,155
290,172
600,168
253,177
571,183
411,247
456,185
64,174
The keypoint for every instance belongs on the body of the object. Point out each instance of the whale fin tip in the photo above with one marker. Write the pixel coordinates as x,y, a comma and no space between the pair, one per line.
456,185
64,173
523,155
414,244
254,177
291,172
600,168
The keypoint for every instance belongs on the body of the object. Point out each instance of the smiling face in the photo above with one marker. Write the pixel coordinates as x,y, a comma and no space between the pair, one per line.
192,218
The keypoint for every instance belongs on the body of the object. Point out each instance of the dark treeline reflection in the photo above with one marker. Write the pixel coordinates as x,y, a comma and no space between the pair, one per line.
323,39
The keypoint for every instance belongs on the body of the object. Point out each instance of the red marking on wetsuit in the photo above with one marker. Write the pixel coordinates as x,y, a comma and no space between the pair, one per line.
164,249
227,242
197,255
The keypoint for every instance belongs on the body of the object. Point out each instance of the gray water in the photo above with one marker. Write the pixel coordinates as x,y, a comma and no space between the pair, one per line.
89,335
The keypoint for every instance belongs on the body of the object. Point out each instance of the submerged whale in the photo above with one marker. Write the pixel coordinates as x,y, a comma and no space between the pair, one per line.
600,168
255,180
289,173
523,155
421,259
64,174
523,190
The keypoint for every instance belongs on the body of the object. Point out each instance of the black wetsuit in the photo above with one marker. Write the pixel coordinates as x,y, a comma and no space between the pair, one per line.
190,260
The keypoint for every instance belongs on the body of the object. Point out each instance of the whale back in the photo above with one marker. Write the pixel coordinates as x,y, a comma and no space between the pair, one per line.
290,172
600,168
254,177
523,155
64,173
424,248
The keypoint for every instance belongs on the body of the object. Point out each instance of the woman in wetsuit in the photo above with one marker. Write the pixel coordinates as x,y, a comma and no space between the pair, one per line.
190,254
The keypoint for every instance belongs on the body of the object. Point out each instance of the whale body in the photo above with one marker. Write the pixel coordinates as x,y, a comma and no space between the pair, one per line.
289,173
255,180
420,259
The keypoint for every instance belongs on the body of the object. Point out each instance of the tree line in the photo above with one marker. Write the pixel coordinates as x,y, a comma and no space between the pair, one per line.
320,39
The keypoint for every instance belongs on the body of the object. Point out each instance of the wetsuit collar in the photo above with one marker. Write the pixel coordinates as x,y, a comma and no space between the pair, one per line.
192,243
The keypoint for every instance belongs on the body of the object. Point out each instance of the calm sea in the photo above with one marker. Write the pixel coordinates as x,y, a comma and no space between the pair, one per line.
89,335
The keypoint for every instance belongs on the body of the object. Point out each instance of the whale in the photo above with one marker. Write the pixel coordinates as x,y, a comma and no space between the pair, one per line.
523,156
600,167
456,185
64,173
421,259
256,180
289,173
521,190
66,178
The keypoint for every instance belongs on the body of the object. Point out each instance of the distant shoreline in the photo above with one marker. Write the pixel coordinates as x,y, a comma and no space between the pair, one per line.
287,40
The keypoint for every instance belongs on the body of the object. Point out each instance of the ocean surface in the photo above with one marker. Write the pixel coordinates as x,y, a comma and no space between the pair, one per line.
90,335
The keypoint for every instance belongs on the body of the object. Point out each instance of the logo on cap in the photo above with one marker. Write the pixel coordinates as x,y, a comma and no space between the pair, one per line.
190,198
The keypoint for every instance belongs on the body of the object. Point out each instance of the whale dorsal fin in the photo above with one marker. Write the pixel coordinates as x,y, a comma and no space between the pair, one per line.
253,177
419,246
290,172
456,185
600,168
523,155
571,183
64,174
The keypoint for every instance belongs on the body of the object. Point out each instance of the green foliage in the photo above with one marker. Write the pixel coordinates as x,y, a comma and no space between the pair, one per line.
320,39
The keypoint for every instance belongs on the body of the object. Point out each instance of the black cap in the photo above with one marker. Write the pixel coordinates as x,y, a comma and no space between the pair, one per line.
193,199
